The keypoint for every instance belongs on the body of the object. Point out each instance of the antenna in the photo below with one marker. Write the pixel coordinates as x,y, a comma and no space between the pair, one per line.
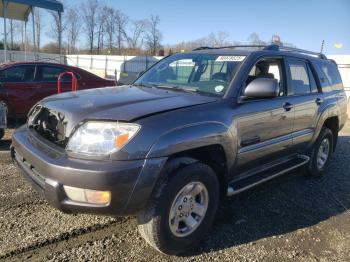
322,46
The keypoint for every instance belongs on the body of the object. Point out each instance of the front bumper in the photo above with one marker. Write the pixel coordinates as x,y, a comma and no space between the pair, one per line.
49,168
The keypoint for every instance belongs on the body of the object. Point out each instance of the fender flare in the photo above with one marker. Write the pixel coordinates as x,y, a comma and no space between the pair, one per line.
195,136
330,111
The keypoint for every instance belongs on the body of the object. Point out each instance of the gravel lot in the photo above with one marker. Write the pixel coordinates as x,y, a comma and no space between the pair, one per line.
291,218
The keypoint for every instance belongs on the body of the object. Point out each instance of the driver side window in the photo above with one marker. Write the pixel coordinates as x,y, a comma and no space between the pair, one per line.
268,68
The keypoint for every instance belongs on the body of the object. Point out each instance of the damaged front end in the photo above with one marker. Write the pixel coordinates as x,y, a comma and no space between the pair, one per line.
49,124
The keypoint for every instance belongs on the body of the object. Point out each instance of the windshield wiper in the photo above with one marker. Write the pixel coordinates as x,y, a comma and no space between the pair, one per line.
176,88
141,85
186,89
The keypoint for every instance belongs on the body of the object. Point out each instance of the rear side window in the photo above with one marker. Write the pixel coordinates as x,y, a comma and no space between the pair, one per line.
299,76
51,73
313,83
18,74
331,73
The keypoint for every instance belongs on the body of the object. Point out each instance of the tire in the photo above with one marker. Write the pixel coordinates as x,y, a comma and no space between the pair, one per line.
154,223
2,133
315,168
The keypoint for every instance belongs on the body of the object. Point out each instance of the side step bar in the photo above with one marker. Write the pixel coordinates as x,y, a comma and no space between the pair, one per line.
236,187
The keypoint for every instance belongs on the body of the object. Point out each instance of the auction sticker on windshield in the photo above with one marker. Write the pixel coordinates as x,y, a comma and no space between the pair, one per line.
230,58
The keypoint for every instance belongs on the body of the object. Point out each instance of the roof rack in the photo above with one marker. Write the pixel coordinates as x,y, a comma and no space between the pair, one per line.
272,47
230,46
204,48
298,50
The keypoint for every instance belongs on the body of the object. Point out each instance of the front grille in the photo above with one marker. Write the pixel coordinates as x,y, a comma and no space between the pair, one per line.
29,170
49,124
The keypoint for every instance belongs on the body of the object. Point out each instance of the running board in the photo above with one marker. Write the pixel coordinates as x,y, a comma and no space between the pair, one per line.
243,184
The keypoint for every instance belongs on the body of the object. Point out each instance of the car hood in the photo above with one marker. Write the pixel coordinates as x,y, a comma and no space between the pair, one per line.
122,103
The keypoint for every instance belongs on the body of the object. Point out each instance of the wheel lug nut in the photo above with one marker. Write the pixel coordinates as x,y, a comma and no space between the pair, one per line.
180,207
185,199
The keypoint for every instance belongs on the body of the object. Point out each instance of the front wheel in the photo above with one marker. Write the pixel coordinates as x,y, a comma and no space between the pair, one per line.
321,153
182,210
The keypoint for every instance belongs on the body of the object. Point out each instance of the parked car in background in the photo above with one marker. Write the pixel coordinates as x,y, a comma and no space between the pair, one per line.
23,84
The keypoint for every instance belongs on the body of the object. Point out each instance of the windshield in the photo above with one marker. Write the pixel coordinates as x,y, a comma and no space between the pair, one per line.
200,73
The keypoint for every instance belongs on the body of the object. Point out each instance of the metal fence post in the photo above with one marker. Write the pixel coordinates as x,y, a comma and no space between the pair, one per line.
106,65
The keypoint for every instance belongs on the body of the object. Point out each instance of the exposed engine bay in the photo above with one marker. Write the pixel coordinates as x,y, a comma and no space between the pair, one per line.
49,124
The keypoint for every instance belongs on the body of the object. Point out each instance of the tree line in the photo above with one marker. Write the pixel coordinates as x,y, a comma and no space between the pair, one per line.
96,28
91,27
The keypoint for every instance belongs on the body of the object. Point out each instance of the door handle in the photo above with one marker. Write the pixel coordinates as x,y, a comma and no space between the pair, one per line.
319,101
287,106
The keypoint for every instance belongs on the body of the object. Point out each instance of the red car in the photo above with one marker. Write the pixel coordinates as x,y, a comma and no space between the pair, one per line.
23,84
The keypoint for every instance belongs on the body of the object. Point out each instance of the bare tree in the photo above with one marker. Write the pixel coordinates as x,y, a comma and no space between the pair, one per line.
11,33
110,26
101,26
218,40
73,28
137,30
89,10
38,27
154,35
121,23
254,39
54,32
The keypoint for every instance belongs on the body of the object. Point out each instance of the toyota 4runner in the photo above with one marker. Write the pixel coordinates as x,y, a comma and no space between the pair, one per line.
194,128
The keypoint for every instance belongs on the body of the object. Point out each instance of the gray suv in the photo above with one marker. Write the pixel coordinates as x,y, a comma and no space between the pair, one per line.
193,129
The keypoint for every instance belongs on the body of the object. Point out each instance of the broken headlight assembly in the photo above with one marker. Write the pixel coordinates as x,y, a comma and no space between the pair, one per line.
101,138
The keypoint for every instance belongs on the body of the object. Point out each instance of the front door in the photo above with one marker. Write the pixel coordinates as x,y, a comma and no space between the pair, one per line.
264,126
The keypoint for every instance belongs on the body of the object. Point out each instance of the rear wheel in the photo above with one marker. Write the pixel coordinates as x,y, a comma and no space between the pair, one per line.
182,210
321,153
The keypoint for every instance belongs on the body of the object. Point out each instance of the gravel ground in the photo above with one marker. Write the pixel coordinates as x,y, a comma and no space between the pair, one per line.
291,218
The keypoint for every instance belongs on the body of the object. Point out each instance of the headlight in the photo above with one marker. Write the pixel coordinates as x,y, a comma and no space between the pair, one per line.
101,138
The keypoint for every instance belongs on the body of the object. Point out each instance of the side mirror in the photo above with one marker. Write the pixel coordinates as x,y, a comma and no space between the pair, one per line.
262,88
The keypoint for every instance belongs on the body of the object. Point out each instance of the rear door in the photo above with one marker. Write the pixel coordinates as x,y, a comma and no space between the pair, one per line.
18,89
306,98
47,79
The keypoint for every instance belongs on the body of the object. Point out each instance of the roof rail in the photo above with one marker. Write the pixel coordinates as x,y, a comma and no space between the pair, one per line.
230,46
293,49
204,48
272,47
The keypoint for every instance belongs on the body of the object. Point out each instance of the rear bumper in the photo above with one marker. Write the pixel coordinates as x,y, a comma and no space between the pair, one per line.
48,169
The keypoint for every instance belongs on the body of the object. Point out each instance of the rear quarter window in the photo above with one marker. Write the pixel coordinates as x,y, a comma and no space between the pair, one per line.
331,74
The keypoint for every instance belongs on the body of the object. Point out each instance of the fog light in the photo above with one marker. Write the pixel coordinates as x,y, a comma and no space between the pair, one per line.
87,195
